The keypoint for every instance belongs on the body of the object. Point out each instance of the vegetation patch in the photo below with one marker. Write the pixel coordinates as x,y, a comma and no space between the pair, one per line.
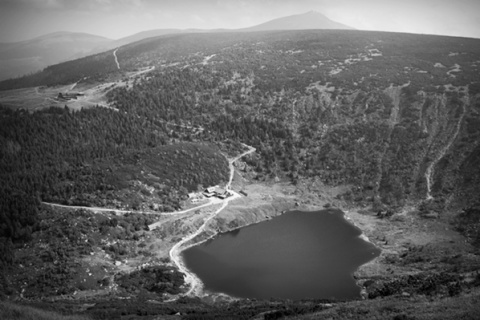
158,280
52,264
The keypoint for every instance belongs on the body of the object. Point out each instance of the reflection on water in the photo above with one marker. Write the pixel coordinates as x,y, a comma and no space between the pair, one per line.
295,256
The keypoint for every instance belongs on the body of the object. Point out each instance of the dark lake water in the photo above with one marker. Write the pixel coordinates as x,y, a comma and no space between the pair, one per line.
297,255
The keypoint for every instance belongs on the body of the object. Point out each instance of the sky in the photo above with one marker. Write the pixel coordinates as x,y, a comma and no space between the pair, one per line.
26,19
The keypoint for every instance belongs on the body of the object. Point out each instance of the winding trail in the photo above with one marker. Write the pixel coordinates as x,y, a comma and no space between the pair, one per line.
116,58
120,211
431,168
190,278
93,209
73,85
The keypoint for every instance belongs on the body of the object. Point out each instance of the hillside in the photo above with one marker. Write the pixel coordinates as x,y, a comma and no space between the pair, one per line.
378,111
395,116
134,38
22,58
29,56
385,126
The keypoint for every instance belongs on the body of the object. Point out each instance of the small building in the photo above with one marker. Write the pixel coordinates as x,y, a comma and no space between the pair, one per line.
219,191
68,96
216,192
209,195
209,192
224,195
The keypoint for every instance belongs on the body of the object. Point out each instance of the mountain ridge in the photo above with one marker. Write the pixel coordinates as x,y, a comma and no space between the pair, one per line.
23,57
304,21
18,58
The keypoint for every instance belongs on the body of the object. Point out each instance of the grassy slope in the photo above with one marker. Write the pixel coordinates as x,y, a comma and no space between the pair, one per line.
404,308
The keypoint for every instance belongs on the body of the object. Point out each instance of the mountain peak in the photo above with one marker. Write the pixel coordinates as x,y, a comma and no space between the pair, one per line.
309,20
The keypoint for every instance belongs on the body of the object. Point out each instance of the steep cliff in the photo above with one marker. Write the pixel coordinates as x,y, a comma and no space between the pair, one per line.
395,144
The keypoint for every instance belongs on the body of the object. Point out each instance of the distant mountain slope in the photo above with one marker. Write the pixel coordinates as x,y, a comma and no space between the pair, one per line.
396,115
20,58
309,20
24,57
33,55
137,37
149,34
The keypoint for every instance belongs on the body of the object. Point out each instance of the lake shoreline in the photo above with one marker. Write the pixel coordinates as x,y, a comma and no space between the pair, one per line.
339,217
393,236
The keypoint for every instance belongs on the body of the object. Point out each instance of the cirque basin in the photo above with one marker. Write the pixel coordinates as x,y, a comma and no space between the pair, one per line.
298,255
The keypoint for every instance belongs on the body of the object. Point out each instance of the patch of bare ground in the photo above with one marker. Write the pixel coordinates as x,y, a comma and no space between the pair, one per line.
411,244
38,98
91,93
262,202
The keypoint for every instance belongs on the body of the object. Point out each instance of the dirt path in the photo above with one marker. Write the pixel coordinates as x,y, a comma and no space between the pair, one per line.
211,201
93,209
118,211
155,225
73,85
190,278
116,58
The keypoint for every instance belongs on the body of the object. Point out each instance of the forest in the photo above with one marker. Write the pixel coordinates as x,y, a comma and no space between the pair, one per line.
92,158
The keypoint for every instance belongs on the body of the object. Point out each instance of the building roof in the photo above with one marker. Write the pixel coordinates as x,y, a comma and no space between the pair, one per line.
220,190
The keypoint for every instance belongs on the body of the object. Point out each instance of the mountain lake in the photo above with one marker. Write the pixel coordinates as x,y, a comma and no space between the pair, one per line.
298,255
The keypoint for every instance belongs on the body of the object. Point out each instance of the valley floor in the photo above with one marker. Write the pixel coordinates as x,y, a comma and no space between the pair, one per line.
410,244
421,258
